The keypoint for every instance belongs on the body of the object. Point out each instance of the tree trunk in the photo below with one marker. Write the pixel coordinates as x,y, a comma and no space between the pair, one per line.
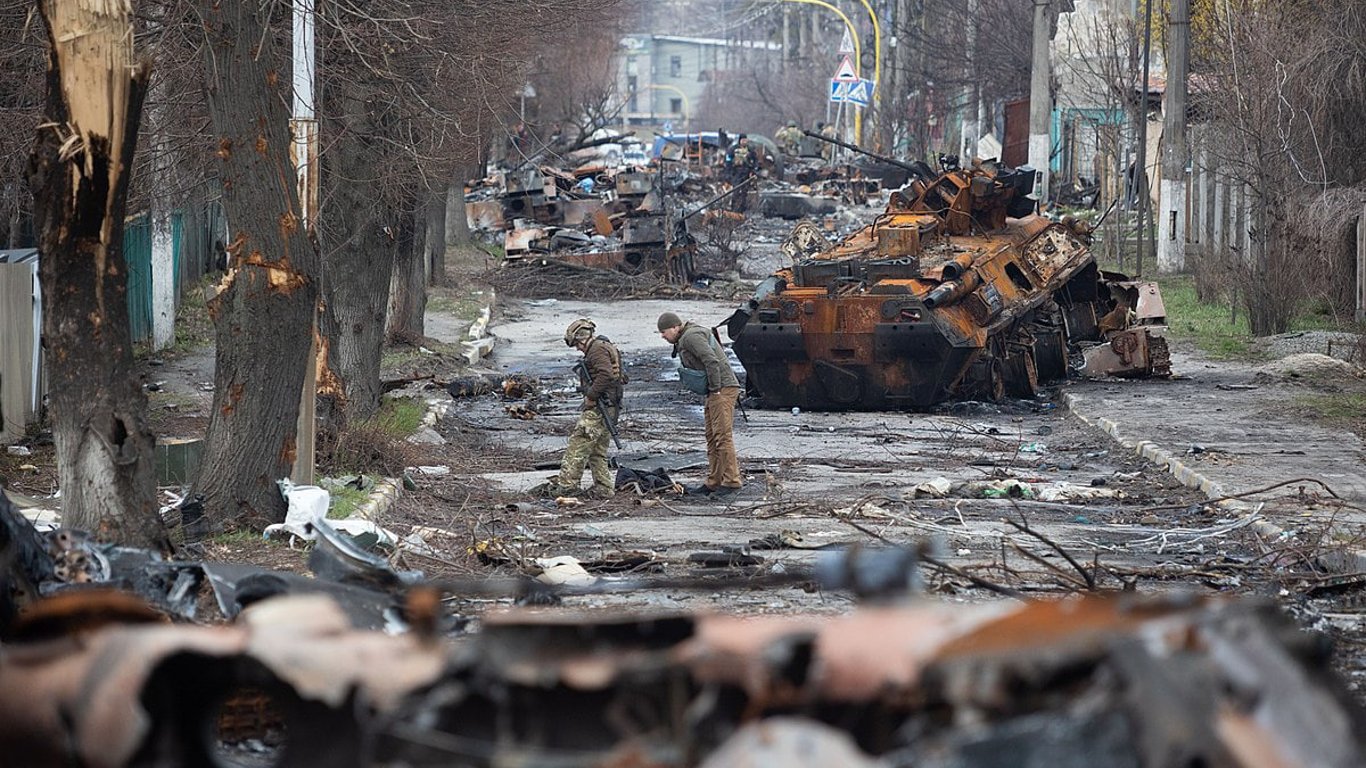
435,247
458,236
407,293
359,238
263,312
78,174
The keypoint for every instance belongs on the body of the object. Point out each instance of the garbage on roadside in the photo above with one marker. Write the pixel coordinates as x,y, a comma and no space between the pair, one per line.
937,488
563,569
1009,488
1072,492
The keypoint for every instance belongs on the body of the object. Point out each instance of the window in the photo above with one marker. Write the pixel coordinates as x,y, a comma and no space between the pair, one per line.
632,104
676,106
675,66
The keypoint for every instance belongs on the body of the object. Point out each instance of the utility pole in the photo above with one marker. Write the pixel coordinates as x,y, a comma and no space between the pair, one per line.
305,127
787,35
968,133
1141,174
1040,99
1171,227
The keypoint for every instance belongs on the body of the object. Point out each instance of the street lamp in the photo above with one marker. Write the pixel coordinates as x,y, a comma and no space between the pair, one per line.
858,49
877,55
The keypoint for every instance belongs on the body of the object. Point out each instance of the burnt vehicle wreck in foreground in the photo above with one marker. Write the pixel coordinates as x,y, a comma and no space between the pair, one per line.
959,290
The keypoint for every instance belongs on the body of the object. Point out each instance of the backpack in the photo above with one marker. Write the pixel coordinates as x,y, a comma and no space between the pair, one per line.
616,360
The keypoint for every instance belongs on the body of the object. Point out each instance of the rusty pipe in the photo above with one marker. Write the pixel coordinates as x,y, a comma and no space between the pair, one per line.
957,266
950,291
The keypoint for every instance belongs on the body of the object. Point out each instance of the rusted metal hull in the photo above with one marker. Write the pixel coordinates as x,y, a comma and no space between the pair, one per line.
947,296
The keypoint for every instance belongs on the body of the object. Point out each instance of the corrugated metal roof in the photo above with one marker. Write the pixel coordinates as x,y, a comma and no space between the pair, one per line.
18,255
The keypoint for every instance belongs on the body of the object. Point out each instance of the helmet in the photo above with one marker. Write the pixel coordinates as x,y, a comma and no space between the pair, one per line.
579,329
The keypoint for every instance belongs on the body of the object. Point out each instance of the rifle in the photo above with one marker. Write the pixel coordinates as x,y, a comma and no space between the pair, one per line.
581,368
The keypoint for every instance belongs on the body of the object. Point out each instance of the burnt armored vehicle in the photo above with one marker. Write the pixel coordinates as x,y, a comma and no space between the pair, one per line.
959,290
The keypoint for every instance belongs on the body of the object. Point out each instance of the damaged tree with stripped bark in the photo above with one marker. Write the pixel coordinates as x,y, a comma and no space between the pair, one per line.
78,171
264,308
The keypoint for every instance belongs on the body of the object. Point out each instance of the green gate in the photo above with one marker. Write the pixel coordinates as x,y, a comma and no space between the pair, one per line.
137,256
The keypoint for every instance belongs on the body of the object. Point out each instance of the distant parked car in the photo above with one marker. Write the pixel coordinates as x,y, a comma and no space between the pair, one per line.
634,156
627,150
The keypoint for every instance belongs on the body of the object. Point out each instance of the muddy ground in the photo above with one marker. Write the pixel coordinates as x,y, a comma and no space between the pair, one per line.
1090,514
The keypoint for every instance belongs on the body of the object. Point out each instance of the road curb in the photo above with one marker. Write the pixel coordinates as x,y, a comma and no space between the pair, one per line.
1347,561
1187,475
387,490
382,498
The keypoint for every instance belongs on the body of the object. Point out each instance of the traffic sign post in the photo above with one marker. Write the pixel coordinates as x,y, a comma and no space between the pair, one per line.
846,73
859,93
846,44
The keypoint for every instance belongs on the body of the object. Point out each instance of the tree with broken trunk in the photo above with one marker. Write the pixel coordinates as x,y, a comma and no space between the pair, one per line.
264,307
78,172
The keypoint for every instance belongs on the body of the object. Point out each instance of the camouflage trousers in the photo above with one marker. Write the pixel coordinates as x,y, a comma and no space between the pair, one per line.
587,447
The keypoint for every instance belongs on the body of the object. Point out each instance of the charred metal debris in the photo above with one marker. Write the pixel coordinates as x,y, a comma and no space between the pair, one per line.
101,666
595,217
655,218
958,290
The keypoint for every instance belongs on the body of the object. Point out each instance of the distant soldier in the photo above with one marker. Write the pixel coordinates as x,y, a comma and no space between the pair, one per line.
742,154
790,138
601,380
744,163
828,131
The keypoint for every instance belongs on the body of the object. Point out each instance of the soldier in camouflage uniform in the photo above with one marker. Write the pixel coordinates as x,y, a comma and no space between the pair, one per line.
790,138
601,380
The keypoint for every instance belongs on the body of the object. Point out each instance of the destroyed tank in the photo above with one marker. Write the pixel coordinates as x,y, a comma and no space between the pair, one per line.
959,290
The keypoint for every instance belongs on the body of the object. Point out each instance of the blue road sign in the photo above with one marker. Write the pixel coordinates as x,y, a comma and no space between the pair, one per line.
839,91
860,93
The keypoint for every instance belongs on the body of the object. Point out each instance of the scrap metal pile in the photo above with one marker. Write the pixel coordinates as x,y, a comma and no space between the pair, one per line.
643,219
959,290
96,676
633,220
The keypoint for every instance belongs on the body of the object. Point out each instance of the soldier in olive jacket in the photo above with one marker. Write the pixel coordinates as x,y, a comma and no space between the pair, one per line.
697,348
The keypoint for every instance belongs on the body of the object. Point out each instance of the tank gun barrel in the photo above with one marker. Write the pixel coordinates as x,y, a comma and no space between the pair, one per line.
718,198
917,171
948,292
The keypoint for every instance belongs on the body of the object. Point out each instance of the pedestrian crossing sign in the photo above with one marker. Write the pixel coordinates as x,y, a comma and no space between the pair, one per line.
859,92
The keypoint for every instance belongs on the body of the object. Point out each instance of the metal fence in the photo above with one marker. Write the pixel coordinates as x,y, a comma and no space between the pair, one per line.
196,241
